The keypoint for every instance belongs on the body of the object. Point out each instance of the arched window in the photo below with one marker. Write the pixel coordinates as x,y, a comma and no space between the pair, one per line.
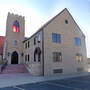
16,27
37,52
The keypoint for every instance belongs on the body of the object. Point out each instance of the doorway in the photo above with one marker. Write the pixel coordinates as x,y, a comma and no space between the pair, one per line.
14,58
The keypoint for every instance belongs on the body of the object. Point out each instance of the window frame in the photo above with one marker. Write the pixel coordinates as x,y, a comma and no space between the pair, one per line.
28,57
39,38
16,26
77,41
28,44
35,40
15,42
56,38
66,21
57,57
79,57
57,71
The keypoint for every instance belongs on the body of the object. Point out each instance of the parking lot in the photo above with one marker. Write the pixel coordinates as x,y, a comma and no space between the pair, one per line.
77,83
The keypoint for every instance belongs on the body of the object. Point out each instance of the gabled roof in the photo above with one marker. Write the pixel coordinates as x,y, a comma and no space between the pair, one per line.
2,39
51,21
41,28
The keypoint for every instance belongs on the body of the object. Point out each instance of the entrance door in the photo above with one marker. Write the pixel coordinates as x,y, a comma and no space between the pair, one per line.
14,58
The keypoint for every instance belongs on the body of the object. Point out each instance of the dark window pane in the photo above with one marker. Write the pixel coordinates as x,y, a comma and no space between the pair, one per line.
35,41
80,69
28,58
28,44
58,71
25,58
66,21
25,45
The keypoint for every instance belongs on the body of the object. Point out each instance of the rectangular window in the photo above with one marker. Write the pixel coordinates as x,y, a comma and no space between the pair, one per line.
28,57
28,44
57,56
80,69
25,45
58,71
77,41
56,38
15,43
79,57
25,58
39,38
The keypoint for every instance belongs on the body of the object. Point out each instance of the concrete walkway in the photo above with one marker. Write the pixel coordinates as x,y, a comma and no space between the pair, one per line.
7,80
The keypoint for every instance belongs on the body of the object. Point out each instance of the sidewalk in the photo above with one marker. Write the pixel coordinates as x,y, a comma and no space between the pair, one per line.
7,80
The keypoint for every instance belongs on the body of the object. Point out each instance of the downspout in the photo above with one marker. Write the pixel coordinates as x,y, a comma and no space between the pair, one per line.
43,51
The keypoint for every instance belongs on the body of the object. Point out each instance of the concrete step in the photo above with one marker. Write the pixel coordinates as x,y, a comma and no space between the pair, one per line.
18,68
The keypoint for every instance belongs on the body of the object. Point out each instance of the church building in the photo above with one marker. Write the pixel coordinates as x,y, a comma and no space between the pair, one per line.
58,47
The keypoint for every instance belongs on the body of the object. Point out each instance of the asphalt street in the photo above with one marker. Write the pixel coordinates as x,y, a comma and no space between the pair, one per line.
77,83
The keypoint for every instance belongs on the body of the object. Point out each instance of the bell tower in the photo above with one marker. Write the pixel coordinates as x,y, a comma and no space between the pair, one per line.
15,30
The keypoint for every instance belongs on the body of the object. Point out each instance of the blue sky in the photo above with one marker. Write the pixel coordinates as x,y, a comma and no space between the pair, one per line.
37,12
